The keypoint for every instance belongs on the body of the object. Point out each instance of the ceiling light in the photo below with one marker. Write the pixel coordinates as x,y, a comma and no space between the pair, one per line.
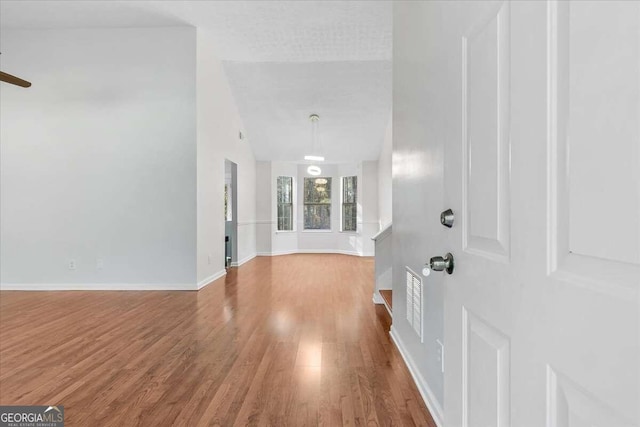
321,181
314,170
314,158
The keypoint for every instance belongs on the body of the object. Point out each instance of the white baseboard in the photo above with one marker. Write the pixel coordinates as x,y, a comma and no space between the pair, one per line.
97,287
208,280
311,251
377,299
276,253
328,251
244,260
427,394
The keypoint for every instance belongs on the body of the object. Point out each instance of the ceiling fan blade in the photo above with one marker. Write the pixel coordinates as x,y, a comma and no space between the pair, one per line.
8,78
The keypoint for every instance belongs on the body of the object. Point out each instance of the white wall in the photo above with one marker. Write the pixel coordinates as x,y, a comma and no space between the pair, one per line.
322,240
264,214
385,208
368,203
417,185
273,242
218,139
282,242
98,159
383,248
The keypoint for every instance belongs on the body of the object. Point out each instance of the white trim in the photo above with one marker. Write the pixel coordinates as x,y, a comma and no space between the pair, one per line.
388,309
383,233
377,299
208,280
313,251
275,253
427,394
244,260
328,251
97,287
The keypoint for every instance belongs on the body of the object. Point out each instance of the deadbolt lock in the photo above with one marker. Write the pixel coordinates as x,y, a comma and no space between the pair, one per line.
446,218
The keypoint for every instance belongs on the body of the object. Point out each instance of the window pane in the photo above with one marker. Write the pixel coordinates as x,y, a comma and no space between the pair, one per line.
317,217
349,205
349,189
227,203
285,187
285,202
285,217
317,190
349,217
317,203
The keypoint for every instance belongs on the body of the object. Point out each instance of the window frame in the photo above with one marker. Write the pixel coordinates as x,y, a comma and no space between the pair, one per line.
291,205
306,204
228,203
352,204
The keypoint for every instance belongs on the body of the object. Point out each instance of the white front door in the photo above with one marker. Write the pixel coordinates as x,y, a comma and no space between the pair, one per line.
542,169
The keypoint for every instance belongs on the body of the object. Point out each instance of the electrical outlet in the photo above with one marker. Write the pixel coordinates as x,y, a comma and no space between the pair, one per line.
209,259
440,349
99,264
72,264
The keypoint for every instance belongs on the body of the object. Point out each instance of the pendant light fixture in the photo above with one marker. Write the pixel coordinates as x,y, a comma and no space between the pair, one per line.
314,170
314,156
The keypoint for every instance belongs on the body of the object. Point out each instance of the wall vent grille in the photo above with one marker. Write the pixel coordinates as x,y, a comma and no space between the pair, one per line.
414,301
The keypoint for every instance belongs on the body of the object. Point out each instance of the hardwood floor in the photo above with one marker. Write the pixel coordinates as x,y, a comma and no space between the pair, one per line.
387,296
285,341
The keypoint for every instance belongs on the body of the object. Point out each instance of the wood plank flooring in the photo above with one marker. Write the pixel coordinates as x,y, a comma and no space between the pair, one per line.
284,341
387,296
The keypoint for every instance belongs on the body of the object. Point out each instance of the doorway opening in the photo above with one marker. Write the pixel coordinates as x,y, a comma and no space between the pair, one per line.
230,214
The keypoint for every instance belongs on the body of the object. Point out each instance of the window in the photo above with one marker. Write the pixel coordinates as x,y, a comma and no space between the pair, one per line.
285,203
317,203
349,203
227,203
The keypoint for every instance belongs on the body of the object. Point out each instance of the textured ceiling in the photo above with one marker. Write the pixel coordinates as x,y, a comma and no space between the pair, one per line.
284,60
284,31
79,14
276,98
